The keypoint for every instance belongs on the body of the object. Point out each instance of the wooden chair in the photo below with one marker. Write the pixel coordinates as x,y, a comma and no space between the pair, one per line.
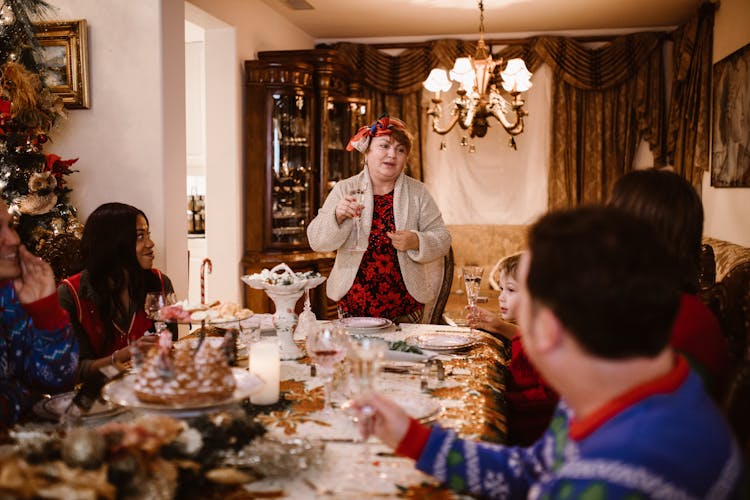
436,318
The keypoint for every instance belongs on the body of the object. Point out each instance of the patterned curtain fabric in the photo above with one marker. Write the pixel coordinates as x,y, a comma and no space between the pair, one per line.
604,102
688,139
394,83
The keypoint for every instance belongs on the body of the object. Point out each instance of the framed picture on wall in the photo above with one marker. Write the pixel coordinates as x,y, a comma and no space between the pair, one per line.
730,149
64,55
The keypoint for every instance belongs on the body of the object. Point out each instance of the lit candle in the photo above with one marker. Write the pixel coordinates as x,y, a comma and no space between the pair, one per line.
264,362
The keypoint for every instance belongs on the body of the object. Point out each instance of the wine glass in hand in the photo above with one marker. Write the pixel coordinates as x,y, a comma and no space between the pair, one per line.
326,347
153,304
359,194
365,357
472,281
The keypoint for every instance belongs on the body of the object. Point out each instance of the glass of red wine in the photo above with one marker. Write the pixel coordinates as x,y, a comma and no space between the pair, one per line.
327,346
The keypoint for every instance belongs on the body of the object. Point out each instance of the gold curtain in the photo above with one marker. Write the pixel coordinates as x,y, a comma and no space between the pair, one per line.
608,99
688,137
394,83
603,102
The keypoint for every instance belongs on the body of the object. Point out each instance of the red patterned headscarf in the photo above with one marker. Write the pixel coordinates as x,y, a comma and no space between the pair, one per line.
382,126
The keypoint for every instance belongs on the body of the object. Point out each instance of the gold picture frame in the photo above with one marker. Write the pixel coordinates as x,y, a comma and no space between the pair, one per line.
64,54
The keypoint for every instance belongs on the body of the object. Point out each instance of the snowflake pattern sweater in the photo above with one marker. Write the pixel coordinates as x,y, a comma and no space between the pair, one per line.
38,352
664,439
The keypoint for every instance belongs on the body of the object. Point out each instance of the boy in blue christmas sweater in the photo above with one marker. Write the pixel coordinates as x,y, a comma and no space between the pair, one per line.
38,352
598,299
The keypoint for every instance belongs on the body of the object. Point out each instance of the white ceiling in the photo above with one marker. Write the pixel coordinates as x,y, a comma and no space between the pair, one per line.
351,19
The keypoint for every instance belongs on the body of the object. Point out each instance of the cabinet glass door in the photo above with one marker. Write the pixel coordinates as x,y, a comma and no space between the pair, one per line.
291,169
345,116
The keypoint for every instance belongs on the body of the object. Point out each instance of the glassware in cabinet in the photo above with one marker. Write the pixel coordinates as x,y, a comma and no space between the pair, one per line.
291,168
344,115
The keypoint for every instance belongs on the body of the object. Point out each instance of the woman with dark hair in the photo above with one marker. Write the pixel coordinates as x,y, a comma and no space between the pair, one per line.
106,300
672,205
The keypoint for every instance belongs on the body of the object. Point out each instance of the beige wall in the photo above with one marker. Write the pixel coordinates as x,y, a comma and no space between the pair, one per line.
131,143
727,209
258,26
234,31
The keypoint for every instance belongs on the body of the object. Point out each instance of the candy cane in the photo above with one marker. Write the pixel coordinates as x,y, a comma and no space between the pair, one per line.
203,278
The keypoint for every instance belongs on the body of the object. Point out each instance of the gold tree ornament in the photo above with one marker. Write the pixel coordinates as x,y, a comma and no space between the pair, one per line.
41,198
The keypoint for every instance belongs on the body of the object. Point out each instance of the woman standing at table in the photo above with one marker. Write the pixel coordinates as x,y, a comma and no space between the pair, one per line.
106,300
391,265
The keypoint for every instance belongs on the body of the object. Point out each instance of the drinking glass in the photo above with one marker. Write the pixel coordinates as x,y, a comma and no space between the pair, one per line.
365,357
327,346
359,193
153,304
472,281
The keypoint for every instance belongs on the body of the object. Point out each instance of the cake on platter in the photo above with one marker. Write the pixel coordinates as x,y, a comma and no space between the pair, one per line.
181,376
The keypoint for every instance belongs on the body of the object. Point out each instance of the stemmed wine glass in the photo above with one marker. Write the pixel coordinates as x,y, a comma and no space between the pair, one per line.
365,357
153,304
326,347
472,281
359,193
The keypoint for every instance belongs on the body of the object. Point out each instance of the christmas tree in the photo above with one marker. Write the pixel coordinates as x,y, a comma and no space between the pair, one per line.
33,182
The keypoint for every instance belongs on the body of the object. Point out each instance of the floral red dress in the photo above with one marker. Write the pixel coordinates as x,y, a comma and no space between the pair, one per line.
378,289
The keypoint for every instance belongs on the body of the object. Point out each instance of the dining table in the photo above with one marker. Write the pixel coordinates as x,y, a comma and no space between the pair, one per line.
466,397
460,389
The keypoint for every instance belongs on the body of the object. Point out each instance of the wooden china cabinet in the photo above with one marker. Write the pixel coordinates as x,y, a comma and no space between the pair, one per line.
301,107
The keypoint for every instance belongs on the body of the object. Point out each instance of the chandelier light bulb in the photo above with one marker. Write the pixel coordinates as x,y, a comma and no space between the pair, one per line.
462,70
437,81
479,97
516,78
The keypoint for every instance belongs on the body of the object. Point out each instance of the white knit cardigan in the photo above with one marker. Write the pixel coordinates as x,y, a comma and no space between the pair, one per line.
413,210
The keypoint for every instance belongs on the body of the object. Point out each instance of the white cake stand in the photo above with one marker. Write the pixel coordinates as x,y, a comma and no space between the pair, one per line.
284,297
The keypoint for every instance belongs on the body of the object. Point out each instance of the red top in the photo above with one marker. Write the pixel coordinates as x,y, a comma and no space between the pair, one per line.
531,402
697,335
378,290
92,324
46,312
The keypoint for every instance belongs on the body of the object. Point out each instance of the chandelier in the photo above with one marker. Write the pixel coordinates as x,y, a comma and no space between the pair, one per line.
478,96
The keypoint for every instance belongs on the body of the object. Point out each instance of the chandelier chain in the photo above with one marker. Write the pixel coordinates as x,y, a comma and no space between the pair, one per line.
481,20
479,98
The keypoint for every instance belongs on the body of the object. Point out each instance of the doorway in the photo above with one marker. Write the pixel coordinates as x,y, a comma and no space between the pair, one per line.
214,153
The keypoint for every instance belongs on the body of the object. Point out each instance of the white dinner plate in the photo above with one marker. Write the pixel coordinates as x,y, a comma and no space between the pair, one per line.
363,325
55,406
120,391
442,342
